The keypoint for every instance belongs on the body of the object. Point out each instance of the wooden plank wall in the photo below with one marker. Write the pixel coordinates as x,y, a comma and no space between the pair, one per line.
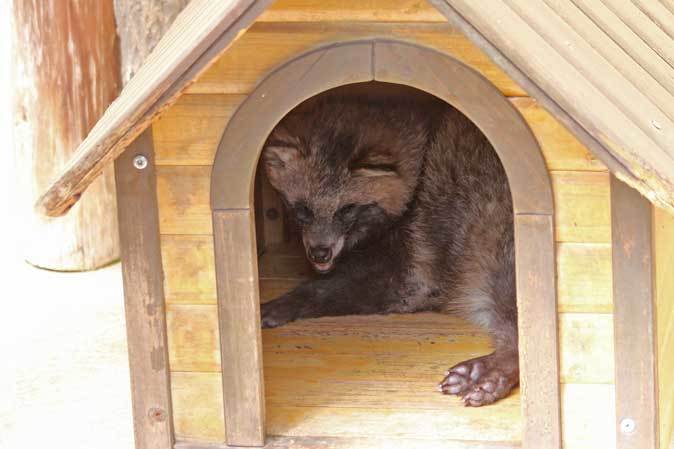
663,245
186,137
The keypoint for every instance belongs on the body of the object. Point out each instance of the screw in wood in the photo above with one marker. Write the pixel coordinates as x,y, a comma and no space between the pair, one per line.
140,162
156,414
627,426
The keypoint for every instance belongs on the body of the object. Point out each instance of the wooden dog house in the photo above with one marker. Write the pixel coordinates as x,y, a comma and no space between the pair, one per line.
594,277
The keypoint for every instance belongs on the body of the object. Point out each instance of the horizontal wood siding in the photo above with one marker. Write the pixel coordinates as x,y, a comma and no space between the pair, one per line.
201,418
186,138
267,45
351,11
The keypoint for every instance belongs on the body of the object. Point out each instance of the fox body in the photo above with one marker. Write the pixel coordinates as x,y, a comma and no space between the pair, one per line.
403,207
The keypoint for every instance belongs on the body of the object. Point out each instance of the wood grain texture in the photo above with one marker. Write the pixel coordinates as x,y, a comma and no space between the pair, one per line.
351,11
312,442
59,91
266,46
585,341
584,277
582,206
537,326
189,269
586,348
663,246
583,272
586,424
561,149
634,315
239,316
634,129
193,338
198,411
200,33
183,192
188,132
144,298
367,376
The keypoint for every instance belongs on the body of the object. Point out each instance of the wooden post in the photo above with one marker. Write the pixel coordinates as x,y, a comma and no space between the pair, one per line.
66,73
634,319
240,334
537,324
144,295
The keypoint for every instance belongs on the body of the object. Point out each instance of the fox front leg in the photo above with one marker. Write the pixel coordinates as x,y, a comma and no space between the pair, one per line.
334,296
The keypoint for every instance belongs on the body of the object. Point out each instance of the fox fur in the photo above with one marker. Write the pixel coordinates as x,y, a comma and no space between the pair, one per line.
403,206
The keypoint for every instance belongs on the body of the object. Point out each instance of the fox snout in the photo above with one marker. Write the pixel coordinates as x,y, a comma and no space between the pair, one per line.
323,253
320,254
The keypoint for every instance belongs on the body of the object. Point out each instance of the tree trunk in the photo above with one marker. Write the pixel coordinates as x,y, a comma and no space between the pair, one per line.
66,72
140,25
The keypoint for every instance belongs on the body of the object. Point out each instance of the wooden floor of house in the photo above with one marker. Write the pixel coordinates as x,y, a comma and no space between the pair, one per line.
372,376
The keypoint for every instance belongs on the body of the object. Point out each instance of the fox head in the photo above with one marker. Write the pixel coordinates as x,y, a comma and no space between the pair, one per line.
346,169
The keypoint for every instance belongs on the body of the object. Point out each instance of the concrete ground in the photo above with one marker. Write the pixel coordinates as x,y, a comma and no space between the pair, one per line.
64,377
68,377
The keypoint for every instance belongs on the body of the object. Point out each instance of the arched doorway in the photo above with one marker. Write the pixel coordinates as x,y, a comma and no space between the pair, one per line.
232,187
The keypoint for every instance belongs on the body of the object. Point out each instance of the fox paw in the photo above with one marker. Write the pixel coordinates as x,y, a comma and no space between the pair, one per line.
483,380
277,313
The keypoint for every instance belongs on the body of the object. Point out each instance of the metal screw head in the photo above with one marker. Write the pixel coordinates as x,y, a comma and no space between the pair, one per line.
140,162
627,426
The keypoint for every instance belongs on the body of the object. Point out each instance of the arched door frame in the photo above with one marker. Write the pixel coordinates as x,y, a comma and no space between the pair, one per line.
232,188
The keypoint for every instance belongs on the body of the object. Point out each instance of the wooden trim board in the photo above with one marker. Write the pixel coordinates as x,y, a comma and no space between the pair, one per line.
634,319
232,188
144,296
239,316
358,443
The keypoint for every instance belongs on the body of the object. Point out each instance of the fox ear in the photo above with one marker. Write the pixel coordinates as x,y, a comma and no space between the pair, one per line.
280,156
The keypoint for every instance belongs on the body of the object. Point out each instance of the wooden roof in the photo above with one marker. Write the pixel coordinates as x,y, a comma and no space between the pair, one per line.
604,69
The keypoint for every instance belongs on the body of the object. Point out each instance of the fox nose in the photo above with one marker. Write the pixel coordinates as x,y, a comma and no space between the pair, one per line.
320,254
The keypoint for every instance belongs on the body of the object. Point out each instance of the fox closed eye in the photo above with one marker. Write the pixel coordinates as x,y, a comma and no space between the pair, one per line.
303,214
347,215
372,170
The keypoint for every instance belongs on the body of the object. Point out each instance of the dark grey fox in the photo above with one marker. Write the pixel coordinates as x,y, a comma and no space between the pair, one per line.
403,207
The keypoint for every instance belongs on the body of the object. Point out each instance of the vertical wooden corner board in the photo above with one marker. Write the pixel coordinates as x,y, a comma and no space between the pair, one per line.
232,188
144,296
634,318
